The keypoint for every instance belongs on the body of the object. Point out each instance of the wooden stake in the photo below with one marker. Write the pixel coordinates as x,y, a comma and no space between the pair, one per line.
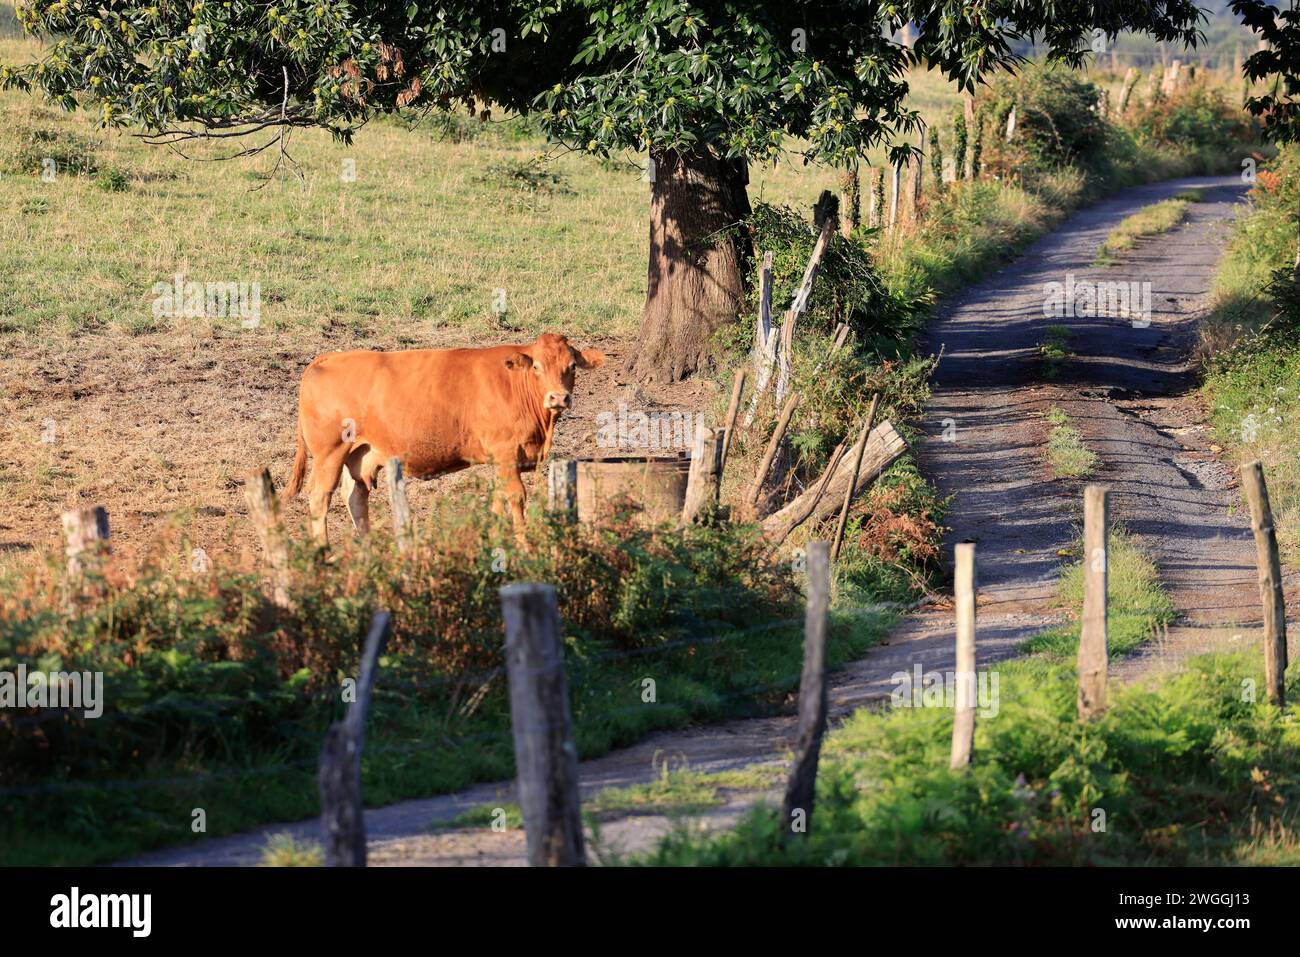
1094,650
704,481
545,755
1270,581
963,721
86,540
264,509
733,407
853,481
395,483
781,425
342,812
800,789
562,488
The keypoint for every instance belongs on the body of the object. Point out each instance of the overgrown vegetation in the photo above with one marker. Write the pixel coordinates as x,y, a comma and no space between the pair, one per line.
1191,769
215,699
1252,343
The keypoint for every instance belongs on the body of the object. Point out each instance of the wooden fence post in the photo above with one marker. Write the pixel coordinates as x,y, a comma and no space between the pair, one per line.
1094,651
1270,581
342,813
86,538
264,509
395,482
963,719
704,481
800,788
733,408
765,343
853,478
545,755
782,424
894,186
562,488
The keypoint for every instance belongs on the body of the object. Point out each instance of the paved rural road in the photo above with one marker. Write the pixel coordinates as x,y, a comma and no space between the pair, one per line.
1126,390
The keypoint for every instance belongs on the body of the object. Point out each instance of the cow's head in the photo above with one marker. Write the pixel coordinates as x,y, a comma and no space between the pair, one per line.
554,362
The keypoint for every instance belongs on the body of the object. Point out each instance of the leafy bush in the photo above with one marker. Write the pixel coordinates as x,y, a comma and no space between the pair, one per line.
1057,121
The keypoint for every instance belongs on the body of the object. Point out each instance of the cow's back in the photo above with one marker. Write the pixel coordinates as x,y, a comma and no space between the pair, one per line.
436,409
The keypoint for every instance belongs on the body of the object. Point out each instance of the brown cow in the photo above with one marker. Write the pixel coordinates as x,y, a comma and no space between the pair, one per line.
438,410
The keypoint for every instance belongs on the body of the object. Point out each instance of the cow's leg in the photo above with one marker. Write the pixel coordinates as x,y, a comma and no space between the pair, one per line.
511,494
357,495
324,479
356,489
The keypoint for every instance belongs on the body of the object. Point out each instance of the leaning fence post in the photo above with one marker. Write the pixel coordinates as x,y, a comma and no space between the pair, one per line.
86,537
395,482
342,813
264,508
733,408
773,444
1270,581
562,488
546,758
963,720
853,478
800,788
1094,651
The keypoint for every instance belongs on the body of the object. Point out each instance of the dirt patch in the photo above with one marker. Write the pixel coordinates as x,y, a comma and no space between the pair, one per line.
156,426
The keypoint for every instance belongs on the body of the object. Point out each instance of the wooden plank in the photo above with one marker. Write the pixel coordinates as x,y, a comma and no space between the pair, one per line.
852,485
801,786
884,446
704,482
546,757
733,408
1094,651
395,484
562,488
1271,595
264,509
773,444
963,720
342,811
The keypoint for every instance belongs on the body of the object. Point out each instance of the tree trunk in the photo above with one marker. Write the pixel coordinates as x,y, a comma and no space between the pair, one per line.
698,254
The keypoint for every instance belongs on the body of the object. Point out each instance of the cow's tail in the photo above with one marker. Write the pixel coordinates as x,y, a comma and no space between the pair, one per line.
299,466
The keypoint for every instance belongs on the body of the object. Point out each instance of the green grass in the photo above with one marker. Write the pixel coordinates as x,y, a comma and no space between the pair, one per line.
1137,605
1186,770
1249,345
202,714
1067,453
1149,221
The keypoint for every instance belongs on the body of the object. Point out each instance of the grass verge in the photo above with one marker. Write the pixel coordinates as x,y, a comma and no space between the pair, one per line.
1149,221
1067,453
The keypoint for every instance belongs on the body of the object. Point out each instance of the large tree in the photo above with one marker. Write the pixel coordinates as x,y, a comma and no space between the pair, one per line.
704,88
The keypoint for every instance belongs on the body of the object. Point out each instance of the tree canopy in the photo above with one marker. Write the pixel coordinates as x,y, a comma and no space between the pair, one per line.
746,78
1278,64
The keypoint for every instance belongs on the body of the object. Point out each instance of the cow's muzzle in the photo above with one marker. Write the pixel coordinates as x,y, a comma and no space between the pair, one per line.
558,400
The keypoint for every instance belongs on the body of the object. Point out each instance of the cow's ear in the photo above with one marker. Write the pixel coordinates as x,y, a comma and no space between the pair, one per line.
590,359
519,361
